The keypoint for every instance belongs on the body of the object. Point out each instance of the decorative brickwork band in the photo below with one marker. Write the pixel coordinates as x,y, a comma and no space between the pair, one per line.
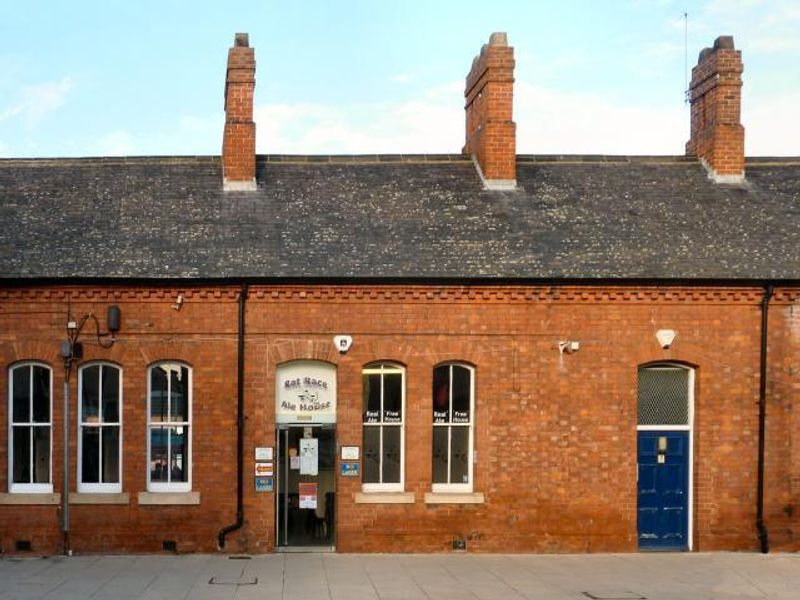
239,139
717,135
490,129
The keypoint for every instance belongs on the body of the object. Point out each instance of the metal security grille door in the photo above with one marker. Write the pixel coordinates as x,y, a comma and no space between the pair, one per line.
664,457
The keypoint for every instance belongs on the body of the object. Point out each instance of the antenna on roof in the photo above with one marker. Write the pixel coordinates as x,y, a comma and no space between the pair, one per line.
685,57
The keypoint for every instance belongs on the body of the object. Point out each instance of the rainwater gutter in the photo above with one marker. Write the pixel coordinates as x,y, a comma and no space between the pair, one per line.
763,536
239,423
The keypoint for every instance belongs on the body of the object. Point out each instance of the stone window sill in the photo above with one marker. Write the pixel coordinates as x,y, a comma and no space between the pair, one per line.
169,498
30,499
454,498
99,498
384,498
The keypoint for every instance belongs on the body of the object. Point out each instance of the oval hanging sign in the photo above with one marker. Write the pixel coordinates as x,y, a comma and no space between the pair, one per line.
305,392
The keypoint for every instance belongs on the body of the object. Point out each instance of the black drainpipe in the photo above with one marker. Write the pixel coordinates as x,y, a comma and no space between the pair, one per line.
239,424
762,421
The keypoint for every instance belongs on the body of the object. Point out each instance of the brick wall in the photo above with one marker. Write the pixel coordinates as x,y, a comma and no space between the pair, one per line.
555,433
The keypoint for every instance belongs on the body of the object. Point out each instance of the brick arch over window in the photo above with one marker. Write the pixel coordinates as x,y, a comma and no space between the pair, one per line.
23,351
288,350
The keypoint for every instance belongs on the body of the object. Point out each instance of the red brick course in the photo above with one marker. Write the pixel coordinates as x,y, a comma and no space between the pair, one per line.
555,433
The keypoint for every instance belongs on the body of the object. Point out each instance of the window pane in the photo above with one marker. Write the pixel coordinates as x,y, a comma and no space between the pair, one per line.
372,455
22,394
158,454
110,454
372,398
392,398
41,395
22,454
41,454
90,394
440,454
391,454
179,401
459,455
663,396
110,394
179,458
441,394
158,394
461,394
90,454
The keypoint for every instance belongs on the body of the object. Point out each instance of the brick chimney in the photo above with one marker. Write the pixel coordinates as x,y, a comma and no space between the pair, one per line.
717,135
239,139
491,132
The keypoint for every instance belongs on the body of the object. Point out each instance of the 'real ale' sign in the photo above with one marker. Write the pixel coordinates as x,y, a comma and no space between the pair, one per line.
305,392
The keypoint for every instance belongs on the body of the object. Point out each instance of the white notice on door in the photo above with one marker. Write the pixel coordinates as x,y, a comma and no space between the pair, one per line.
309,452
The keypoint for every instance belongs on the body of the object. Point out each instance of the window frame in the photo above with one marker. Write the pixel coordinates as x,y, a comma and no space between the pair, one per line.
99,488
456,487
170,486
381,368
28,488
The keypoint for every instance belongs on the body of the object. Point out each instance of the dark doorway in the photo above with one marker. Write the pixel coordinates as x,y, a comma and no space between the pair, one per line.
306,495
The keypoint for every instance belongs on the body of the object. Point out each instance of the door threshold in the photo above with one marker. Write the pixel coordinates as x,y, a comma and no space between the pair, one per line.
305,549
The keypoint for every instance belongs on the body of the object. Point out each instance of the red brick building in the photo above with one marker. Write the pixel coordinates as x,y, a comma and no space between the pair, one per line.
482,351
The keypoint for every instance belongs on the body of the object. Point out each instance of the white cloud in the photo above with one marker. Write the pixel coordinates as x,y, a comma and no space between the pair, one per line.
115,143
771,125
429,124
34,102
402,78
555,122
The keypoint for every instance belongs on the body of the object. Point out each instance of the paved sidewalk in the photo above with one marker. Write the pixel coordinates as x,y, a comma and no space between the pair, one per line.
404,577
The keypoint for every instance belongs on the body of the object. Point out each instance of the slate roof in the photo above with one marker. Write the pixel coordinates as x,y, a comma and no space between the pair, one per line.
397,217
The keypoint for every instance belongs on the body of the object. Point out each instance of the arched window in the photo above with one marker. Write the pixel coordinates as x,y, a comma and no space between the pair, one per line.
100,428
30,436
383,427
169,425
453,418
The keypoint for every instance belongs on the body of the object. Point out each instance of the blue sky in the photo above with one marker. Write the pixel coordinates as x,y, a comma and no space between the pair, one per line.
88,78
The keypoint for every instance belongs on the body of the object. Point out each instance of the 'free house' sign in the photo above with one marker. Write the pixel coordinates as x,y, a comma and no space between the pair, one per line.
305,392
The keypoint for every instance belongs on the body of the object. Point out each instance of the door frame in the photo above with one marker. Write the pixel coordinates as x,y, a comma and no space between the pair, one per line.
688,428
279,428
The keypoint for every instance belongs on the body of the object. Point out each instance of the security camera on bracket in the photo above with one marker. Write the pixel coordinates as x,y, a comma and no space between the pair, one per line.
343,343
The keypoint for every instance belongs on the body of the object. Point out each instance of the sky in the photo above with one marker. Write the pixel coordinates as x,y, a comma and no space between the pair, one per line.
146,77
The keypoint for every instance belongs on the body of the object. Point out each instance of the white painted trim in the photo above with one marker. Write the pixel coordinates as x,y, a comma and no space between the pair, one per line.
28,488
161,487
99,488
383,369
689,428
459,487
663,427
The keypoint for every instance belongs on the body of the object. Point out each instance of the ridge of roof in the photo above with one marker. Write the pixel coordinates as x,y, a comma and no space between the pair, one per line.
339,159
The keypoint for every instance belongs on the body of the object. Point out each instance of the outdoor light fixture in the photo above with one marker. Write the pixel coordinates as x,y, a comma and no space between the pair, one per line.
71,351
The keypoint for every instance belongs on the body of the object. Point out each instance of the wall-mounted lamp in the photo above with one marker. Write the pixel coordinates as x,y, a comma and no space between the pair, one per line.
71,351
569,346
178,302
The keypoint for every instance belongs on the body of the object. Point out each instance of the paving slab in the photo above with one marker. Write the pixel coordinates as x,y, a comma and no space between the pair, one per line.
701,576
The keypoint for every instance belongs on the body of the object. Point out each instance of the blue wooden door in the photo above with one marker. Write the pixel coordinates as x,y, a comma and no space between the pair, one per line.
663,494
